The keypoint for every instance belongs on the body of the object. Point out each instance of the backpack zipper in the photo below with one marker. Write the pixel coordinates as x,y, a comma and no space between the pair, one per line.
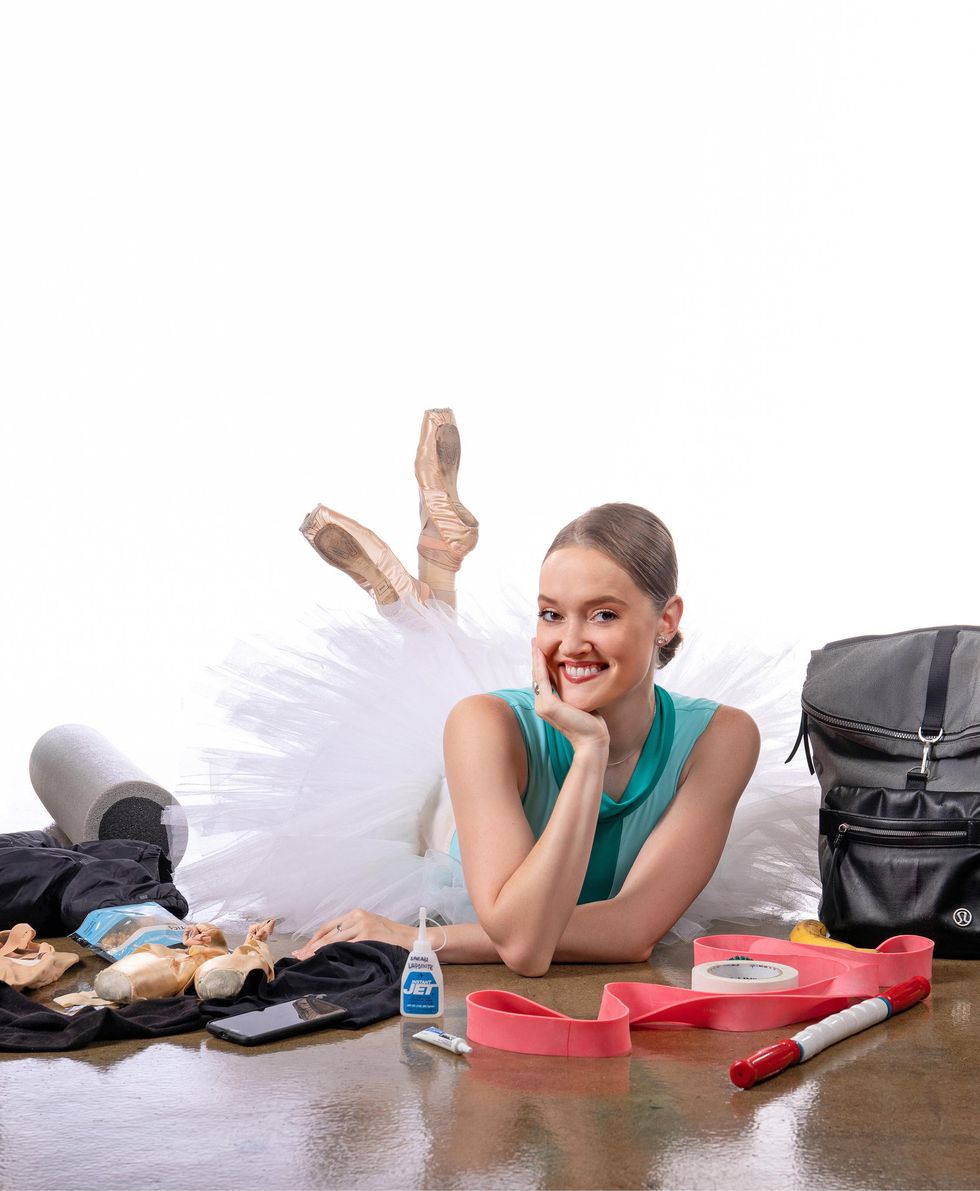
844,829
837,721
809,712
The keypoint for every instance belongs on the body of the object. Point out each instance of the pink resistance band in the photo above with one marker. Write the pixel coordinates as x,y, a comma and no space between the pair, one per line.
828,983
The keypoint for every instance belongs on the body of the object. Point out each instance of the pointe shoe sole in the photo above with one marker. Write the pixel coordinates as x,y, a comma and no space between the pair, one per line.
342,551
448,452
436,470
114,986
358,552
219,984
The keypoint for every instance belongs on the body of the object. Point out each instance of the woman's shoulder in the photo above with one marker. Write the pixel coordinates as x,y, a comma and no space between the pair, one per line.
727,749
491,712
734,724
484,729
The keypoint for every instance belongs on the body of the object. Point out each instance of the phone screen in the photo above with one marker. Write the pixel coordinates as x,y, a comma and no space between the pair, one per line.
279,1021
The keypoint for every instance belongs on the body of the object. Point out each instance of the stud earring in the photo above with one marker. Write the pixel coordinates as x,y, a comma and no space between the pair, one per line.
661,640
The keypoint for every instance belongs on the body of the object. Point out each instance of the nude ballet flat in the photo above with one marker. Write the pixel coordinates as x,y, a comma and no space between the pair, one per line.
155,971
224,975
356,551
449,530
26,964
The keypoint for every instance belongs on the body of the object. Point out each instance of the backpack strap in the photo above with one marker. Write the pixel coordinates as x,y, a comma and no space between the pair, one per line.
803,737
937,688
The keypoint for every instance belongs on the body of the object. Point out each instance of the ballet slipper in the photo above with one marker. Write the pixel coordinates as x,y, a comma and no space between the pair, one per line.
358,552
26,964
156,971
449,530
223,976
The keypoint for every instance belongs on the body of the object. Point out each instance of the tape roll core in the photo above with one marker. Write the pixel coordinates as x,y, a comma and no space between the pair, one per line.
743,976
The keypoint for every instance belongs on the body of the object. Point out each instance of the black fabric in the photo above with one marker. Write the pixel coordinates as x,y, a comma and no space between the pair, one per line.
901,862
364,978
54,888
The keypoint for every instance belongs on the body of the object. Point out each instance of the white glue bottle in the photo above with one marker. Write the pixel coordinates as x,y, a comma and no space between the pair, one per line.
422,991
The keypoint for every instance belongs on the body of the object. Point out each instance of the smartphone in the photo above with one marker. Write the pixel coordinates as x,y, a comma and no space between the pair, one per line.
278,1021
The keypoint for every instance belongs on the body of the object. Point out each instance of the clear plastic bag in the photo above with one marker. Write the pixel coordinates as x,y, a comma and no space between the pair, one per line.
118,930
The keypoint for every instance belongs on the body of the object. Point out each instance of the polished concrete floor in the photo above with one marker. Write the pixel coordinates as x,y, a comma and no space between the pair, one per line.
896,1107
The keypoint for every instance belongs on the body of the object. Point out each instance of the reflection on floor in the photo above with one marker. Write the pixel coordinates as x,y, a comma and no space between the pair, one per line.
894,1107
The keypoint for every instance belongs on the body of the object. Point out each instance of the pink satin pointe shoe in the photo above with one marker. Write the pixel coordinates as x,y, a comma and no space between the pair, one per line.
449,530
224,975
358,552
156,971
26,964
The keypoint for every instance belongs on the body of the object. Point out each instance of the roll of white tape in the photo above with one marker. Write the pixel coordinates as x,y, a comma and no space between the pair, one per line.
743,976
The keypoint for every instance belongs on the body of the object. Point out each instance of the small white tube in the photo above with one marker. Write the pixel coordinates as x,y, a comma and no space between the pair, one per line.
437,1037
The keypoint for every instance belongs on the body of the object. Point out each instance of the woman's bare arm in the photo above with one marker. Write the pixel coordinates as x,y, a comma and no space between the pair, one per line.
524,890
672,868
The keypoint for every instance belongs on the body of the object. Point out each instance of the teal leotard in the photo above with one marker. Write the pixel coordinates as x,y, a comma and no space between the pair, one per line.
624,824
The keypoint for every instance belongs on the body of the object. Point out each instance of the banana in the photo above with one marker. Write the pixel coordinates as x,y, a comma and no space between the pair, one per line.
813,932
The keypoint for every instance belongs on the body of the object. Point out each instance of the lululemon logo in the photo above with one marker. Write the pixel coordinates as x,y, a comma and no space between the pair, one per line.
962,917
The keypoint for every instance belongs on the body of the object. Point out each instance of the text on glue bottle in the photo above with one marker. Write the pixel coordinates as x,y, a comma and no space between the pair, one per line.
421,989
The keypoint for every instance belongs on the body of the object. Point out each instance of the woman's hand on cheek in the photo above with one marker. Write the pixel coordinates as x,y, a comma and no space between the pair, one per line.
358,926
582,728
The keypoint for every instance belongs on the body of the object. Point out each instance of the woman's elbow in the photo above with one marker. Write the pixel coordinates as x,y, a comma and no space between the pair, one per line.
532,968
523,961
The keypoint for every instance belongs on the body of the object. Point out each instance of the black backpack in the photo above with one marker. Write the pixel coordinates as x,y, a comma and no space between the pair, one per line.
891,727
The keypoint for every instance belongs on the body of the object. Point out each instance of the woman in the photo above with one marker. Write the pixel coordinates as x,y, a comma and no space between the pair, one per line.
593,808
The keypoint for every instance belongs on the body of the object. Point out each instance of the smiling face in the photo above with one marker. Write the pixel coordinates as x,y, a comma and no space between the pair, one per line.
597,629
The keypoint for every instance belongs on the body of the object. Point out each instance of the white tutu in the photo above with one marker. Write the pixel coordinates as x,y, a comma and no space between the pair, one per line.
321,788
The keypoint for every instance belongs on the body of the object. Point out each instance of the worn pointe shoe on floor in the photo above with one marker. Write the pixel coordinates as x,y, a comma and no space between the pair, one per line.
449,530
224,975
26,964
155,971
354,549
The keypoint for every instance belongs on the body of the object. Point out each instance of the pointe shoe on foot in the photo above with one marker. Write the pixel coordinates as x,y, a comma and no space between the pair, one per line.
449,530
155,971
224,975
26,964
358,552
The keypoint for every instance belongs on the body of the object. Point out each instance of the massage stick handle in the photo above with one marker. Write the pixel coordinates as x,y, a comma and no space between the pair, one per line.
809,1042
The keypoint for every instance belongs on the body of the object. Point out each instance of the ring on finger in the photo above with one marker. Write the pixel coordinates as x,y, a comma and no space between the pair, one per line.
340,927
537,688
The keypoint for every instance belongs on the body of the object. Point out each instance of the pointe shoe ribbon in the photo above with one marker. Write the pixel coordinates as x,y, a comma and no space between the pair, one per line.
27,964
436,468
829,982
355,550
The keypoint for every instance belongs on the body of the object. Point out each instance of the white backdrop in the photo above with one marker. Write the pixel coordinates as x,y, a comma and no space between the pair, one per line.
718,259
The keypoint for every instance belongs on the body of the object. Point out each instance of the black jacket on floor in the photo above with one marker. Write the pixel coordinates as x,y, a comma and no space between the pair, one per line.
54,888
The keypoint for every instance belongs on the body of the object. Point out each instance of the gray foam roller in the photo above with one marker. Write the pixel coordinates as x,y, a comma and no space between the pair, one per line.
92,791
